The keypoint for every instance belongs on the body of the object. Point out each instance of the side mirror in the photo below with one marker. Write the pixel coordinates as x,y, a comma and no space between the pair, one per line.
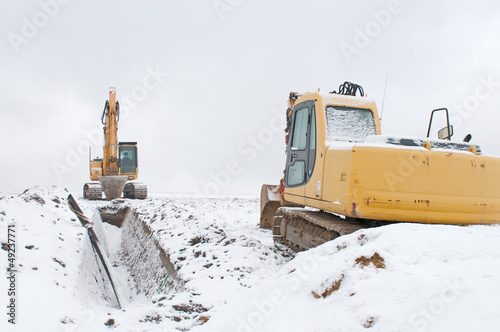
446,132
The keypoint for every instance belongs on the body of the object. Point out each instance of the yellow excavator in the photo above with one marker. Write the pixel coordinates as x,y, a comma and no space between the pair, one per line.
342,175
119,161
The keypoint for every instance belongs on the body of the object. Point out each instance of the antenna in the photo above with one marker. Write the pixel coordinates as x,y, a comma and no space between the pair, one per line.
383,100
90,157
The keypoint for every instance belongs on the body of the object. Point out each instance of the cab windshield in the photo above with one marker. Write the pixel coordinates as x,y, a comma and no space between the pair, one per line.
349,124
128,159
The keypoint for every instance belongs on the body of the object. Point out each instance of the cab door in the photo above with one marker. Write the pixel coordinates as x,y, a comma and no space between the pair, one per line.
301,151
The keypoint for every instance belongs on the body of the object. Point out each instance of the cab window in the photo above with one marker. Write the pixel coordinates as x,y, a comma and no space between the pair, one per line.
299,139
128,159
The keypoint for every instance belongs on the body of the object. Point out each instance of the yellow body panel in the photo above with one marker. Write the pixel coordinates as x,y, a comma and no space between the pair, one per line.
395,182
95,170
131,176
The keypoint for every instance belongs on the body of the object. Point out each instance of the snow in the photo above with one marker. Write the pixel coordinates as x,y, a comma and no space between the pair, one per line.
273,194
412,141
407,143
47,241
354,102
435,278
401,277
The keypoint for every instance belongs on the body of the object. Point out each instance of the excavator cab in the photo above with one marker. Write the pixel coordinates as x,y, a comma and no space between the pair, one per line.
127,159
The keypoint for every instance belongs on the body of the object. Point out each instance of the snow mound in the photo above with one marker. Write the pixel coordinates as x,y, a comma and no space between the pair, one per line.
47,240
403,277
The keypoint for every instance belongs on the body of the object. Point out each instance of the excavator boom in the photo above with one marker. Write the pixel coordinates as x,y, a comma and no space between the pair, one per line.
112,183
110,119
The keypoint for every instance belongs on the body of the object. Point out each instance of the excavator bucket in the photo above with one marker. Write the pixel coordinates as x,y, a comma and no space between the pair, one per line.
112,185
269,203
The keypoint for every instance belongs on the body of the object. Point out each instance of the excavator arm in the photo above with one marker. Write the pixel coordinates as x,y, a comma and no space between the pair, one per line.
110,118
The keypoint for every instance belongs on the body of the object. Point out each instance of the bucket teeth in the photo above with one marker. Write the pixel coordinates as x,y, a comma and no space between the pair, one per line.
112,186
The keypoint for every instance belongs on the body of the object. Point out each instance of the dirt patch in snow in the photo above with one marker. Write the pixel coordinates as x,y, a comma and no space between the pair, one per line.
190,308
370,322
376,260
34,197
329,291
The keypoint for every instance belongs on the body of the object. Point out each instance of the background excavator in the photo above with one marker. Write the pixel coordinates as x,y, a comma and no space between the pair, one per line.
342,175
119,162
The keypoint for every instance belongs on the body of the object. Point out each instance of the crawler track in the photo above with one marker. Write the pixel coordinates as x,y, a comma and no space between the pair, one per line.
92,191
135,190
302,229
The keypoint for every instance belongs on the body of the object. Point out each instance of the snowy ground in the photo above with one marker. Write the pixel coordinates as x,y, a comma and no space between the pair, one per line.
403,277
215,243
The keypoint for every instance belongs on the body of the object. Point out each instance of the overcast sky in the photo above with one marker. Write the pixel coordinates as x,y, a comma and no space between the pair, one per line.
203,84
